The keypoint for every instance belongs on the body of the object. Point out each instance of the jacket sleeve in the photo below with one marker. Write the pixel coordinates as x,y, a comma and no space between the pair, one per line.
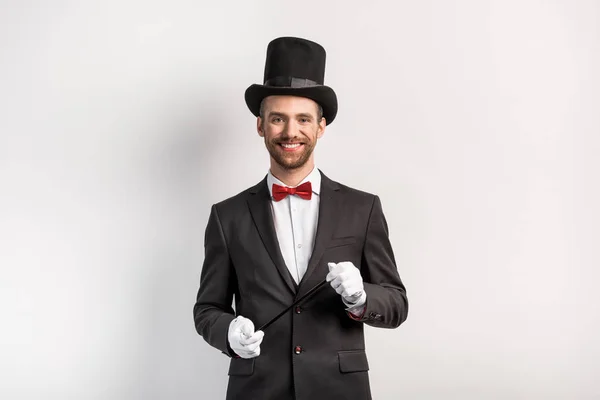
387,304
213,311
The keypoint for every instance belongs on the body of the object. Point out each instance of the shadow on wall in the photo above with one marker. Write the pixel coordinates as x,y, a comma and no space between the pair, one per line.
177,363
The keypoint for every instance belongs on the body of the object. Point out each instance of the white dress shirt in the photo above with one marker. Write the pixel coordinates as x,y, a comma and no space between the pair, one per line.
296,223
296,226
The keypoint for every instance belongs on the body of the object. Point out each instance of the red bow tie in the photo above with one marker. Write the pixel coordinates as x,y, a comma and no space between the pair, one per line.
304,191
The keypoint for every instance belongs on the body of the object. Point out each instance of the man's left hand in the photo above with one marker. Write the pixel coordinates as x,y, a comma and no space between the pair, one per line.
345,278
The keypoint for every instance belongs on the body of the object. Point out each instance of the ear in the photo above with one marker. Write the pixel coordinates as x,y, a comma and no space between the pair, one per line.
321,128
259,127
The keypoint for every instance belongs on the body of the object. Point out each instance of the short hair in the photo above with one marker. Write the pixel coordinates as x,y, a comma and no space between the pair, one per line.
261,111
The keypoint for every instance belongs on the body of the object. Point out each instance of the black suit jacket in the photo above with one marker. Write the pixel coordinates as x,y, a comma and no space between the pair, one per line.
243,262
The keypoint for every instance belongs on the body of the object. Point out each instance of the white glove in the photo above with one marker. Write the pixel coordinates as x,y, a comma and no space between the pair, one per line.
242,338
345,278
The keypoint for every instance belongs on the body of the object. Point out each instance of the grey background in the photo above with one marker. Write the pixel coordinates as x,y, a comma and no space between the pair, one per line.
477,122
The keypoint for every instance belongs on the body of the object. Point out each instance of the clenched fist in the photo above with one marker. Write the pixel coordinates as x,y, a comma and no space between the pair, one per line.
345,278
242,338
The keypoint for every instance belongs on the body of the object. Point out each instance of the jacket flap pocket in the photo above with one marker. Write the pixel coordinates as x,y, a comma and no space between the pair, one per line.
353,361
241,366
341,241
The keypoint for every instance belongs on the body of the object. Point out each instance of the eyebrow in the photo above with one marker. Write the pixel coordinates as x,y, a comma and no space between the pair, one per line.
301,115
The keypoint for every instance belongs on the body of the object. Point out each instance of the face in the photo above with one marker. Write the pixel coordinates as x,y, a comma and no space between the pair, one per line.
290,129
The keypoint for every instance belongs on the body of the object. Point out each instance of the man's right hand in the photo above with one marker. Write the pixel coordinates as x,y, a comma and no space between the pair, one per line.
242,338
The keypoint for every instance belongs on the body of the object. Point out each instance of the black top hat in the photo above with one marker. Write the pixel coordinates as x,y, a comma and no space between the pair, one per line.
294,67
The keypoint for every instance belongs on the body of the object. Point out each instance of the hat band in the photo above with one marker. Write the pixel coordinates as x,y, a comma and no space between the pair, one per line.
290,81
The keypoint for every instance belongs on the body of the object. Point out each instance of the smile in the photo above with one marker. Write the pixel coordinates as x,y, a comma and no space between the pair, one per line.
291,146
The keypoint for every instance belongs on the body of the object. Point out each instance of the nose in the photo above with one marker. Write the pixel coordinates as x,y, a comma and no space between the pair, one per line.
291,129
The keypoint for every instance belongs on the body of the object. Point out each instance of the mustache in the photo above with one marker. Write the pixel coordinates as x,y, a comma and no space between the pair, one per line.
279,141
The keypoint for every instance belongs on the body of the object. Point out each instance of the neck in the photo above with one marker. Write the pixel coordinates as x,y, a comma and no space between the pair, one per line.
291,177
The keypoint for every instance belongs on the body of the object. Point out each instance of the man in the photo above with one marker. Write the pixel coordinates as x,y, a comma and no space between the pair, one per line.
272,243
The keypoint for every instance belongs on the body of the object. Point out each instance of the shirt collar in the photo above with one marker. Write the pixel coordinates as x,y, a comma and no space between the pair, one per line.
314,177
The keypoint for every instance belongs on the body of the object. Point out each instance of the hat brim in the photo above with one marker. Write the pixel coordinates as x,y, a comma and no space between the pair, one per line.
323,95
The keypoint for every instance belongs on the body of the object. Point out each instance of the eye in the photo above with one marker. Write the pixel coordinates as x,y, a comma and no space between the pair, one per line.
304,120
276,120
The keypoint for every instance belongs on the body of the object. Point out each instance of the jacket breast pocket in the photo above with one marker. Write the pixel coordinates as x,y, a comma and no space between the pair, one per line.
241,367
341,241
353,361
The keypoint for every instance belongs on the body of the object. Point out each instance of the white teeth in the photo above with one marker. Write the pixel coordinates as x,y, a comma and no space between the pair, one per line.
290,146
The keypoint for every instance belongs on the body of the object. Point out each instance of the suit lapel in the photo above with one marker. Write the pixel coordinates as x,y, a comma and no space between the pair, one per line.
329,214
260,208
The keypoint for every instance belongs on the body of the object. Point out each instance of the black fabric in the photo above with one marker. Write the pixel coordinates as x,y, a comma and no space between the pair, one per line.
294,66
243,262
241,366
353,361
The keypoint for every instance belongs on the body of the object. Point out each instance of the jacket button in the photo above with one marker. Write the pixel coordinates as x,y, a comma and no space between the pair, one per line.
298,310
298,349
